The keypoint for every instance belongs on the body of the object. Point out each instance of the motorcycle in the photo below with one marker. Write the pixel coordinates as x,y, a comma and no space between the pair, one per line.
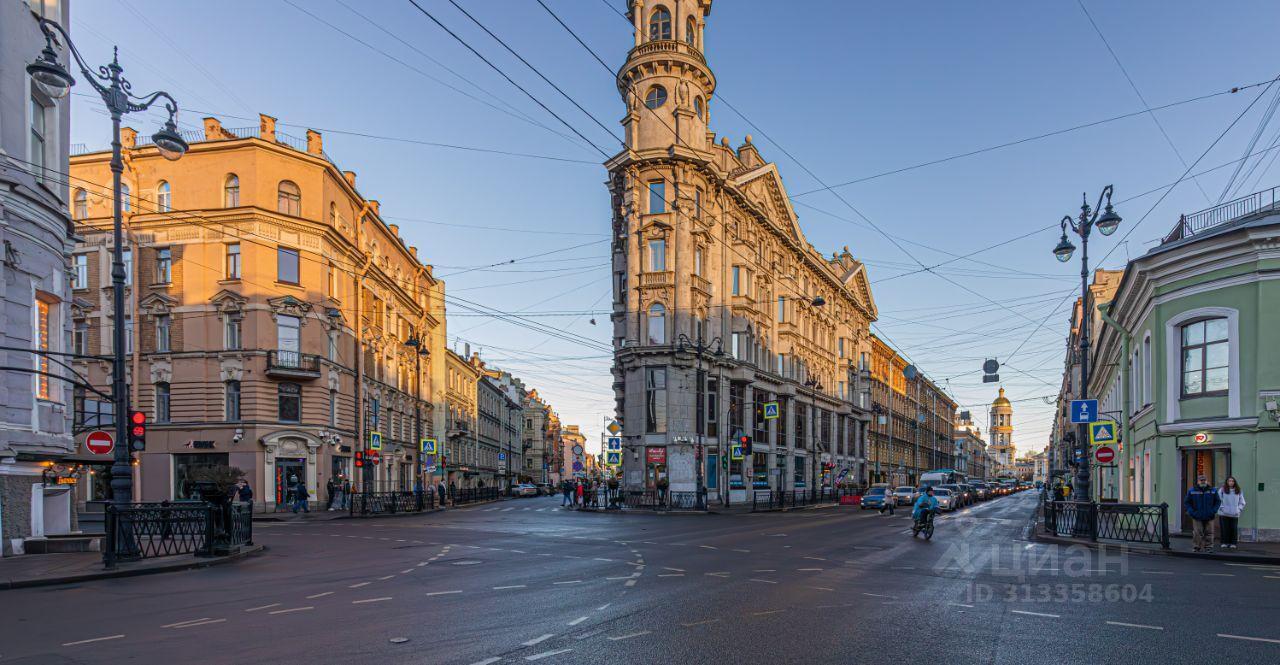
924,524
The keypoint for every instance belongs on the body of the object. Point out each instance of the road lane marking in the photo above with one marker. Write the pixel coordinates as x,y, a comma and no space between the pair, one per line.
1158,572
544,654
267,607
603,607
961,605
183,623
357,586
1036,614
577,621
512,586
678,570
1135,625
443,593
585,635
314,595
815,558
1251,639
743,551
903,567
595,559
671,575
536,640
487,661
199,623
370,600
406,571
1218,574
717,574
699,623
822,588
629,636
293,609
807,570
624,577
95,639
709,547
385,578
765,570
756,579
569,582
629,583
876,595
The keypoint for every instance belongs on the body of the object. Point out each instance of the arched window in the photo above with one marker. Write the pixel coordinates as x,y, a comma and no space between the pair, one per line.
657,324
124,197
691,32
81,204
660,24
164,197
697,107
657,96
289,199
231,191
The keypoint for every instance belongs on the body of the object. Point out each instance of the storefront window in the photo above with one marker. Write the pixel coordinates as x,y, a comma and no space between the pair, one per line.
184,464
797,472
760,471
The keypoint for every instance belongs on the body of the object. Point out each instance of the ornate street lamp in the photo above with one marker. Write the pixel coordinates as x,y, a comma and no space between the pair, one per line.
1107,221
700,346
117,95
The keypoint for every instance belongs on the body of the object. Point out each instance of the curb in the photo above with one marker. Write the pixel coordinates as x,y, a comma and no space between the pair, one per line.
1263,559
133,572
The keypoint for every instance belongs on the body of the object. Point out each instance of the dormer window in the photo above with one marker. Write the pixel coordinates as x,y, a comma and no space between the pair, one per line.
660,24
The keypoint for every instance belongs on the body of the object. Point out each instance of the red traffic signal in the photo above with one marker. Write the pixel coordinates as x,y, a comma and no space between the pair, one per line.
744,440
137,430
359,459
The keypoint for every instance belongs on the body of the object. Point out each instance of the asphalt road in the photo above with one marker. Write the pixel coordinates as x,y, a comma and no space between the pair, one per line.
523,581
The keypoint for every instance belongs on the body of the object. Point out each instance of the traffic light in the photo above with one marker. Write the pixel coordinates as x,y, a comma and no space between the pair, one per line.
359,459
137,431
744,441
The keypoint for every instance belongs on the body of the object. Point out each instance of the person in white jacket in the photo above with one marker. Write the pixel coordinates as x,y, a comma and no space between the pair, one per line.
1229,513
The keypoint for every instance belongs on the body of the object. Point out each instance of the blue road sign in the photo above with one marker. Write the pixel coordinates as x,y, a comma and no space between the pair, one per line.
577,466
770,410
1084,410
502,456
615,443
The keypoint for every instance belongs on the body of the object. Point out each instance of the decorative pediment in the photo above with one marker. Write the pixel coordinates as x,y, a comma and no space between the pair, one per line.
772,198
289,306
228,301
157,303
81,308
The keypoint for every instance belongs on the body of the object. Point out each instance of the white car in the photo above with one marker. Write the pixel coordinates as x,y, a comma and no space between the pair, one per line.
947,500
525,489
906,495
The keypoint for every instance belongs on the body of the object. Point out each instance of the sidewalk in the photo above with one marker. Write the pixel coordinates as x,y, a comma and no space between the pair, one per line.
50,569
1180,546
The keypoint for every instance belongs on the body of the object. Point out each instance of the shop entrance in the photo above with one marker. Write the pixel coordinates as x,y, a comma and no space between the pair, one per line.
1213,463
289,470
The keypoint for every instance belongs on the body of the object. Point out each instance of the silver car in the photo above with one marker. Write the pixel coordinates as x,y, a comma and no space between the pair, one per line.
947,500
906,495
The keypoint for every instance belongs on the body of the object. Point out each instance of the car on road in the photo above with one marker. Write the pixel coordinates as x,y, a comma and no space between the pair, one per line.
877,497
525,489
906,495
979,490
947,499
957,492
970,493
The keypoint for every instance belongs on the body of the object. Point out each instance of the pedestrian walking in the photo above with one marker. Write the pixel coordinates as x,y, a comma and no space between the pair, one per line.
578,499
243,493
440,492
1201,504
1232,505
565,490
331,490
890,502
344,493
300,496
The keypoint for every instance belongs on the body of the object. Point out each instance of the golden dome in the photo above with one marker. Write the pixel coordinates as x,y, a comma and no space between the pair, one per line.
1002,400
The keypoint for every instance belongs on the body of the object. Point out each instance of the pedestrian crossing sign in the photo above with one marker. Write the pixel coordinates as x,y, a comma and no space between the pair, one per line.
375,440
428,446
735,452
613,458
770,410
1103,433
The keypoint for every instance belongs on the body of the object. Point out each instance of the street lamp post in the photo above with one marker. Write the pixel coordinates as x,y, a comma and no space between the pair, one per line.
700,346
117,95
419,348
1106,220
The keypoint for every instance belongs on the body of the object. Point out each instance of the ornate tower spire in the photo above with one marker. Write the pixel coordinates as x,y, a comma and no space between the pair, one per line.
667,73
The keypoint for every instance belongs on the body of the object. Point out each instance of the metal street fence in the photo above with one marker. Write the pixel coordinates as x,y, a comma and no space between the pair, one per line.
1124,522
467,495
763,500
391,503
150,530
663,500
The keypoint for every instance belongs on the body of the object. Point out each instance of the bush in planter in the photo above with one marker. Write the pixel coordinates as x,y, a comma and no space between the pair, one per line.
215,485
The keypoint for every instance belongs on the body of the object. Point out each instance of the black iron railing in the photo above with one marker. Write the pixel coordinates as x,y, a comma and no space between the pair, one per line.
762,500
293,362
642,499
391,503
1123,522
474,495
1189,225
150,530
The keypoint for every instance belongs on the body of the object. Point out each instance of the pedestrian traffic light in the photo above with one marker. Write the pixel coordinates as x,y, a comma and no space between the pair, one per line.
359,459
137,431
744,441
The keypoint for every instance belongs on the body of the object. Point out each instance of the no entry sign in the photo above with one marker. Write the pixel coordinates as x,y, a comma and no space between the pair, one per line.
99,442
1104,454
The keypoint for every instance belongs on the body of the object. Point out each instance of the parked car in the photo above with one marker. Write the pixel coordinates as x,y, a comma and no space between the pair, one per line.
980,491
906,495
526,489
877,497
957,492
947,499
970,493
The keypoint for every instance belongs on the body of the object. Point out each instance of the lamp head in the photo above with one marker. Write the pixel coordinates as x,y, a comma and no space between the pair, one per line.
170,144
52,76
1065,249
1108,222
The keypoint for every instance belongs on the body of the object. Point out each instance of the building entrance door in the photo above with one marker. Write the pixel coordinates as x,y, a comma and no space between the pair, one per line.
289,470
1213,463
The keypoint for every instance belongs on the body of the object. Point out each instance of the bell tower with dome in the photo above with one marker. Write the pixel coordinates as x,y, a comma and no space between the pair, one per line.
1001,427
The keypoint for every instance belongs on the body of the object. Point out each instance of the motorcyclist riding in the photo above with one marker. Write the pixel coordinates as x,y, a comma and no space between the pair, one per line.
925,505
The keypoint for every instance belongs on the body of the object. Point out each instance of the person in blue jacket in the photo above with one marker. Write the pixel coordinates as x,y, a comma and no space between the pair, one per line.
1202,503
925,504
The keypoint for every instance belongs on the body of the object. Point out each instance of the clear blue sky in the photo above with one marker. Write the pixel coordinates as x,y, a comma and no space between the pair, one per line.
850,88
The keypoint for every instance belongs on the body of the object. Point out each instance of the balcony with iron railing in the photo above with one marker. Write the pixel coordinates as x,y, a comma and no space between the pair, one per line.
1198,222
287,364
194,136
664,46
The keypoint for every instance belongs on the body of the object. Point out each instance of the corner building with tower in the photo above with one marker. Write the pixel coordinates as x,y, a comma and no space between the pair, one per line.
724,315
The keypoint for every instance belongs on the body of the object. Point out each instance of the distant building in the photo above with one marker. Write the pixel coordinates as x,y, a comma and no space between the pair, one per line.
972,458
574,460
1000,426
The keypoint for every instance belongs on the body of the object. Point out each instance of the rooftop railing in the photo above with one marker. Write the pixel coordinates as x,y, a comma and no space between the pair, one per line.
1197,222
